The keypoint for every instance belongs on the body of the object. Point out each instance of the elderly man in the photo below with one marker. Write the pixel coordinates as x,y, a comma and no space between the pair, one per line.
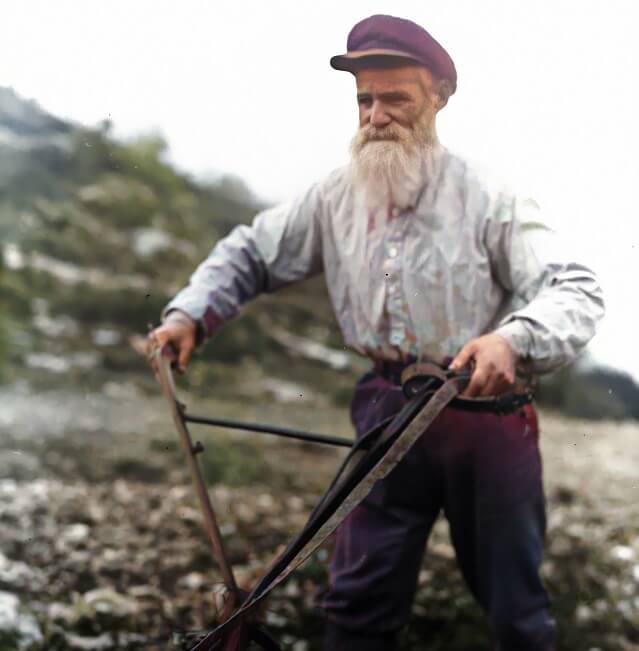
426,259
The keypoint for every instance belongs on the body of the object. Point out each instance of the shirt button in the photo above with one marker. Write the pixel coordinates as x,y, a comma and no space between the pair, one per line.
392,252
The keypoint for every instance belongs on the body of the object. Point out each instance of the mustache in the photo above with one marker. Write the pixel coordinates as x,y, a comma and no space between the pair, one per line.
369,133
381,134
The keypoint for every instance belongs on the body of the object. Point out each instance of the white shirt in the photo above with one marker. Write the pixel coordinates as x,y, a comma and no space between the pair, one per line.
466,259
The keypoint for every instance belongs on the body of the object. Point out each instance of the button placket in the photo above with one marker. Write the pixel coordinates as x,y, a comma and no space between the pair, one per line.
395,302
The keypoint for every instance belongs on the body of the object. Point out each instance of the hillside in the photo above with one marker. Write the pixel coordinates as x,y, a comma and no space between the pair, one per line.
97,235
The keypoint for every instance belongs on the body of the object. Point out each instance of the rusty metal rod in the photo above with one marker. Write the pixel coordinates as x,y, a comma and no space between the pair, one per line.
165,377
285,432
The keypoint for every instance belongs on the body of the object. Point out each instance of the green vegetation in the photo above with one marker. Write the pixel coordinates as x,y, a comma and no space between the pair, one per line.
233,463
4,335
595,394
102,233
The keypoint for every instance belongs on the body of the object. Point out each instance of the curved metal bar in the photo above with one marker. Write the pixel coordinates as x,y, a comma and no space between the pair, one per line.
165,378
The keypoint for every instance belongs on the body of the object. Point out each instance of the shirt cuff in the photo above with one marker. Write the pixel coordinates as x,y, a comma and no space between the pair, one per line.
518,336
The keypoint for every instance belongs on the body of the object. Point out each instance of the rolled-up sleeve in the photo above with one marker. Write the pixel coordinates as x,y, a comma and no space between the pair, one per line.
561,299
281,246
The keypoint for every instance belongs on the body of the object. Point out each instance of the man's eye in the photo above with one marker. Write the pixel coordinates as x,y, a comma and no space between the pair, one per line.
397,99
364,101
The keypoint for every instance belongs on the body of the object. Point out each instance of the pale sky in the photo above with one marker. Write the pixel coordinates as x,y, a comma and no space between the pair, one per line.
547,98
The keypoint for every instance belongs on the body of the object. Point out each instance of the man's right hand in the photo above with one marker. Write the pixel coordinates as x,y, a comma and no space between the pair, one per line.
176,336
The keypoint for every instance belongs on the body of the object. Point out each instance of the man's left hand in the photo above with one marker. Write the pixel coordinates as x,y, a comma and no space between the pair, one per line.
494,365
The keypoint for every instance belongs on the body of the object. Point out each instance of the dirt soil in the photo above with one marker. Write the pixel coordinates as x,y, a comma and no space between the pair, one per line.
101,545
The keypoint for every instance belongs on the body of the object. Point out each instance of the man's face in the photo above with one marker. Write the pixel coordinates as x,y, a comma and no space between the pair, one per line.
397,108
390,97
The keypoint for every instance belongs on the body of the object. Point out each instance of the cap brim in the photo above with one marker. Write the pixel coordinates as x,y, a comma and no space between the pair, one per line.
375,58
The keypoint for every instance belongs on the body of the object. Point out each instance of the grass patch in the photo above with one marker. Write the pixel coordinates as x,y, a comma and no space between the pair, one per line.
223,461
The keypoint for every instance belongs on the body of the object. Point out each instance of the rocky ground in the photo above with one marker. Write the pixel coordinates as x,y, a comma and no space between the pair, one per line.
101,545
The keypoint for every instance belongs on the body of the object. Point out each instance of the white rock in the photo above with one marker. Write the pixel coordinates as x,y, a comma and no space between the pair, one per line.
76,533
274,619
8,488
47,362
56,327
13,256
295,503
148,241
622,553
192,581
13,621
87,359
61,612
265,502
105,600
583,613
106,337
311,349
9,604
284,391
228,528
18,573
99,643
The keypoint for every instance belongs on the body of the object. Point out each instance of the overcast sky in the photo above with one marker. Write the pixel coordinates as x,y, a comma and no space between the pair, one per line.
547,97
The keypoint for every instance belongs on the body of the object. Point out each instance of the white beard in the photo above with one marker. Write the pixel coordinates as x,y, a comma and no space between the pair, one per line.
388,165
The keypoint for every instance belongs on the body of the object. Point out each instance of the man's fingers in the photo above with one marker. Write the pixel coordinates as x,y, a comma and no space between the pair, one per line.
170,352
176,340
464,356
490,387
477,382
499,381
494,371
159,337
164,339
492,381
184,355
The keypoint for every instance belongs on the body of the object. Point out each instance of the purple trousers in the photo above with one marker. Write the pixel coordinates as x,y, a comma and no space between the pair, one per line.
484,471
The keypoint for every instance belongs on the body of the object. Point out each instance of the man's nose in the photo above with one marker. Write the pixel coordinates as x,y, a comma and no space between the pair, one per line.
378,116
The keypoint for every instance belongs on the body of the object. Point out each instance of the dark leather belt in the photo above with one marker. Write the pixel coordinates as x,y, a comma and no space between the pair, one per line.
503,404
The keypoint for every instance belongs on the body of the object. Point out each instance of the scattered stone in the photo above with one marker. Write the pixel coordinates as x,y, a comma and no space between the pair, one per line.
48,362
108,601
76,533
98,643
294,503
192,581
62,614
312,349
622,553
149,241
106,337
18,574
285,391
62,326
13,622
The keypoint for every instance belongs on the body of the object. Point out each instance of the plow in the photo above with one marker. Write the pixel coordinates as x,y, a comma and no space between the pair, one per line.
428,389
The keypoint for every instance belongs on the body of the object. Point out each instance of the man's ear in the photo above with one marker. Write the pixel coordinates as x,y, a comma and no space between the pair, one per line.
443,91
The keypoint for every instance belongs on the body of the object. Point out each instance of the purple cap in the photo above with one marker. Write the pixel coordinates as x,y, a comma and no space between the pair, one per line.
375,39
